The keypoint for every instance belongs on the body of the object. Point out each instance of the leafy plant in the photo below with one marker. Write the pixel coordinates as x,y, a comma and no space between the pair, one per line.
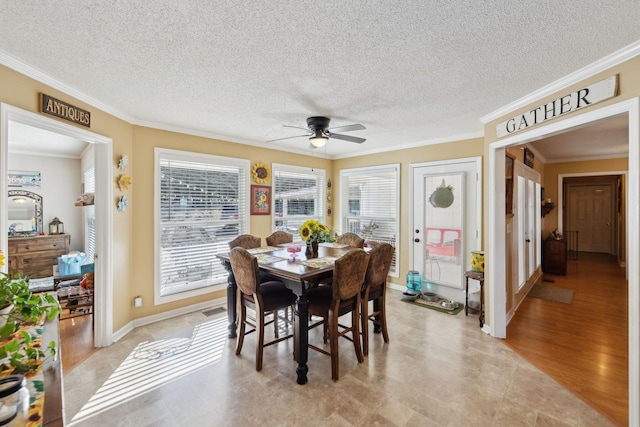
18,351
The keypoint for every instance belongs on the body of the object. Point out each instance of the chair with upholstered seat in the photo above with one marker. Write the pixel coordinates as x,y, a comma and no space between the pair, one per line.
279,237
351,239
265,298
375,289
246,241
343,297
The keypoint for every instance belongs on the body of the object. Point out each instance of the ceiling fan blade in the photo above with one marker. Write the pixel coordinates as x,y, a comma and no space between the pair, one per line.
347,138
295,127
347,128
289,137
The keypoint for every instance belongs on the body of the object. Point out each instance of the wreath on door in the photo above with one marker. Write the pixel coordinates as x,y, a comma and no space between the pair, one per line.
442,196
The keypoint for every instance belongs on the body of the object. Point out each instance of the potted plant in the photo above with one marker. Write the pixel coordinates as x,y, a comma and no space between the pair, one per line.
20,307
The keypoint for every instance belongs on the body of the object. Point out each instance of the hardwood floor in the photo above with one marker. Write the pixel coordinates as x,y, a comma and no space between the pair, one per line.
583,345
76,341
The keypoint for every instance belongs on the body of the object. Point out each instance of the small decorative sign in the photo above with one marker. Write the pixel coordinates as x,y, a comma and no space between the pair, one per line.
589,95
529,158
25,179
61,109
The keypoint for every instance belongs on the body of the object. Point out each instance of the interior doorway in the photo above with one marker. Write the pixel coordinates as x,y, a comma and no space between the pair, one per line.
631,110
103,146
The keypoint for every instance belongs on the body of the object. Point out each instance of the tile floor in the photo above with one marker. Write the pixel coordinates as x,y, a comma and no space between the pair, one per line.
438,370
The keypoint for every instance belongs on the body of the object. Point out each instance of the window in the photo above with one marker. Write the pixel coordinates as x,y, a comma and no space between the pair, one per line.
369,200
90,215
200,205
298,195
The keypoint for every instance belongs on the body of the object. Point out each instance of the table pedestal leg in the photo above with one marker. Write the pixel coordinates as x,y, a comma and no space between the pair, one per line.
231,300
302,339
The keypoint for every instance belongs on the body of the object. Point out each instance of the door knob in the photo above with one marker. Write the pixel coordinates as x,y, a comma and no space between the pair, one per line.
416,240
527,240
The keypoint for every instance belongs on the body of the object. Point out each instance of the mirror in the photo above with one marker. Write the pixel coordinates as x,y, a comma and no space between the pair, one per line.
24,213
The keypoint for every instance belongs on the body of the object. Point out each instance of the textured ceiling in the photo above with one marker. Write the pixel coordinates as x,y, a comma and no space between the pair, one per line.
411,72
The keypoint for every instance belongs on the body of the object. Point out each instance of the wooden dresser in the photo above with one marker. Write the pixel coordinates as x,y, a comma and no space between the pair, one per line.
36,256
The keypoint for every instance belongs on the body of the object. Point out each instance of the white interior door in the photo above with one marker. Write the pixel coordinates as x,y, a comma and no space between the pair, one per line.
527,225
445,226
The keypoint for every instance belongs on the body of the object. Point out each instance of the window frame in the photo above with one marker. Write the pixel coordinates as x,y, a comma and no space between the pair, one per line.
345,174
161,154
321,178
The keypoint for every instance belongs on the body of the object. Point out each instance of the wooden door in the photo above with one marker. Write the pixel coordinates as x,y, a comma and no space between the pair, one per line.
590,213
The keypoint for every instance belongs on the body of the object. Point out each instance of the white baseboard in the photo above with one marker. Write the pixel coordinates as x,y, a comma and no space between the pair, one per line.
136,323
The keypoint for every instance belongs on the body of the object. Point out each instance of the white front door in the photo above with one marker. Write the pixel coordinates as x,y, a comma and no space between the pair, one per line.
446,222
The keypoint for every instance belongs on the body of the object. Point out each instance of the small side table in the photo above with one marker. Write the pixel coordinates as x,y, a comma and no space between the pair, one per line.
480,278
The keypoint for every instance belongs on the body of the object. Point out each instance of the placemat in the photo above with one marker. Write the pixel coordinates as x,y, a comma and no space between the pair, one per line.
262,249
268,259
333,245
319,262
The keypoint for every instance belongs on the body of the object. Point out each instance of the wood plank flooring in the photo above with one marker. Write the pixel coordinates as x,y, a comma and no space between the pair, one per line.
76,341
583,345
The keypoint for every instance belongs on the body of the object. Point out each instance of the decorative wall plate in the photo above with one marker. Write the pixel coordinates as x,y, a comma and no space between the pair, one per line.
124,161
260,173
123,204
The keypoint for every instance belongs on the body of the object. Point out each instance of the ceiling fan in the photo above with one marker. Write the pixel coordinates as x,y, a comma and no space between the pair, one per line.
319,132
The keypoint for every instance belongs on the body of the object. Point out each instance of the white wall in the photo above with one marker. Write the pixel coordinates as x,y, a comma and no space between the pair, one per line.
61,185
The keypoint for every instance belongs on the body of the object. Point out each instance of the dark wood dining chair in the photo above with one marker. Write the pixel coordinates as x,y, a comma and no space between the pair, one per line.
246,241
343,297
265,298
351,239
375,289
279,237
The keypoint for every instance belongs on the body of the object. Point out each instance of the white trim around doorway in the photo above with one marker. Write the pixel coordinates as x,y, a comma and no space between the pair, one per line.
496,232
103,313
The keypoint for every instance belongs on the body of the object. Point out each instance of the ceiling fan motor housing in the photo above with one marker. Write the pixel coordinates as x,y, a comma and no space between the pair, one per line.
318,124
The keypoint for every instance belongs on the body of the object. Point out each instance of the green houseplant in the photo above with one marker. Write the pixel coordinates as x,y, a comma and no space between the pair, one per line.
18,307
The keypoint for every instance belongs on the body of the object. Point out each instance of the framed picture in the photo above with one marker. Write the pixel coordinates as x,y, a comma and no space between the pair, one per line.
508,183
528,158
25,179
260,200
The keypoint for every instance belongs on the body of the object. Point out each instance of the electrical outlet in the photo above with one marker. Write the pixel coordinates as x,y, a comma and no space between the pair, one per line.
137,302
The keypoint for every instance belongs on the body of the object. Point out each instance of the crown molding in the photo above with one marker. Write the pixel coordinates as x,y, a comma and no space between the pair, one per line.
15,64
618,57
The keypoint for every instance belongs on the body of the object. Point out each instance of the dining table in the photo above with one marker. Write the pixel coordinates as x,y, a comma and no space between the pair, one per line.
299,273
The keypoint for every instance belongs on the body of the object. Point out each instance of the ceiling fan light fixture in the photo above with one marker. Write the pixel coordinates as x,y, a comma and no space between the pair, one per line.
318,139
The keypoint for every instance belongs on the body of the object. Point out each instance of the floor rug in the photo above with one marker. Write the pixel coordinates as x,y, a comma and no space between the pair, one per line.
434,305
552,293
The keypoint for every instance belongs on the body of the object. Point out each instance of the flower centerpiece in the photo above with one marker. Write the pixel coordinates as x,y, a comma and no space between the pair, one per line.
20,308
314,232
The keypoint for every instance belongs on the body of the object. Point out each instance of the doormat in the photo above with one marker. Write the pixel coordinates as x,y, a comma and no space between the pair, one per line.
435,305
552,293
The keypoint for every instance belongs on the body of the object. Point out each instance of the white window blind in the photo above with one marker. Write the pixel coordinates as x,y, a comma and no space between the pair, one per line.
298,195
370,205
90,215
200,207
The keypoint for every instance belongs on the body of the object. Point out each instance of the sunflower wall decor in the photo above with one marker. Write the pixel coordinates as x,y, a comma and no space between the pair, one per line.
260,173
124,182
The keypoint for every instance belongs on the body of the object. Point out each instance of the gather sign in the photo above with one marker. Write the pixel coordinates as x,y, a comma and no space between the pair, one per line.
588,95
55,107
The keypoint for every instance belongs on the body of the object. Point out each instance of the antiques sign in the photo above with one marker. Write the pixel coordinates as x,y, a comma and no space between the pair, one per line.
589,95
55,107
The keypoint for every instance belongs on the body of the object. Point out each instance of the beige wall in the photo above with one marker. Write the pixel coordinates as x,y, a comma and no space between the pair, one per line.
23,92
406,157
146,139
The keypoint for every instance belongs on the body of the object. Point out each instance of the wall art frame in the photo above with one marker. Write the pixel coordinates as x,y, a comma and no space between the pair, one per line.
260,200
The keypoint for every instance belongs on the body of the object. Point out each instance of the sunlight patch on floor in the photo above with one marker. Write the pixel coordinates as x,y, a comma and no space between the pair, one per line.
153,364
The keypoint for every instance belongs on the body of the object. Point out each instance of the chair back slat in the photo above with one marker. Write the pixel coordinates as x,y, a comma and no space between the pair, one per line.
245,270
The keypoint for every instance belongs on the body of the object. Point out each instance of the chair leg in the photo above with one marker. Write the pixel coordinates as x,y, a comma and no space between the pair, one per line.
260,341
332,319
242,317
355,322
364,322
276,326
383,318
